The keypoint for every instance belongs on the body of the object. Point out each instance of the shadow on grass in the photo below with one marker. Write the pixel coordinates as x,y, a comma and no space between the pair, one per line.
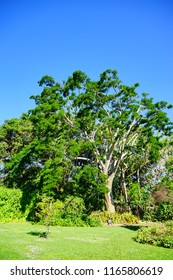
37,233
131,227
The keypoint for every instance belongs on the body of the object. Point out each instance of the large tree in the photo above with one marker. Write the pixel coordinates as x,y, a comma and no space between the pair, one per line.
112,118
100,124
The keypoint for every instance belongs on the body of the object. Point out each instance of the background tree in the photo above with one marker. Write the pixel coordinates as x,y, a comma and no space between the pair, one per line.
14,135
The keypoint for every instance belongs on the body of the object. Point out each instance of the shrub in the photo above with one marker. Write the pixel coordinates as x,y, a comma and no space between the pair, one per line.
73,207
161,235
29,205
128,218
169,223
10,206
45,212
149,214
71,212
102,216
164,212
117,218
69,222
58,208
92,222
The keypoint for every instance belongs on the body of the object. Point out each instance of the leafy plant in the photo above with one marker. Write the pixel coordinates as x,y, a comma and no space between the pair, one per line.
161,235
129,218
73,207
164,211
71,212
116,218
45,212
10,205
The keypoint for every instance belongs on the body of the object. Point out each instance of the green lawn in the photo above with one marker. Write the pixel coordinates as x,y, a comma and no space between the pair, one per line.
22,241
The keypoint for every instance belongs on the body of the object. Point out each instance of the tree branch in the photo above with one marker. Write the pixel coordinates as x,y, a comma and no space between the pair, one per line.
83,158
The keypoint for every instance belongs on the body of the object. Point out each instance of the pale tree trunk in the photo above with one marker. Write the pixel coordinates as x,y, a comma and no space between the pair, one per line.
123,184
124,189
109,203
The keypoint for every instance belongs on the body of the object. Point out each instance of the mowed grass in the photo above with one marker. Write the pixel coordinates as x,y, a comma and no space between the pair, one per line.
22,242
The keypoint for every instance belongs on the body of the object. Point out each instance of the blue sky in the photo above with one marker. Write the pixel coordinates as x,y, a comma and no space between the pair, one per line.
57,37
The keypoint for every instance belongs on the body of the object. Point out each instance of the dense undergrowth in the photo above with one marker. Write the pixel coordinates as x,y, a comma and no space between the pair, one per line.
70,212
160,235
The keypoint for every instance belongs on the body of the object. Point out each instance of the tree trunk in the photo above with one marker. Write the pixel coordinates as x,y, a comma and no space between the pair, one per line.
123,185
109,203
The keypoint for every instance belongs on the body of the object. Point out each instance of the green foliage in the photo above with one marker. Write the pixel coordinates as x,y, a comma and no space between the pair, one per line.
73,222
164,211
14,134
158,235
28,205
149,214
80,138
91,186
117,218
71,212
45,211
138,197
46,80
92,222
161,208
10,205
129,218
58,208
74,207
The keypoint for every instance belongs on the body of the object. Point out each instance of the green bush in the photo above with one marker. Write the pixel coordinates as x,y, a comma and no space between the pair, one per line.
71,212
149,214
161,235
164,212
58,208
169,223
117,218
74,207
10,205
91,222
128,218
104,216
45,212
70,222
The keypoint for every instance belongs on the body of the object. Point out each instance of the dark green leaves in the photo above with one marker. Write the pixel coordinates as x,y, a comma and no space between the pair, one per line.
46,80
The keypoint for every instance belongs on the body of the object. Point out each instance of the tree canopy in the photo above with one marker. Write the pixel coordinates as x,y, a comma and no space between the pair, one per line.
99,140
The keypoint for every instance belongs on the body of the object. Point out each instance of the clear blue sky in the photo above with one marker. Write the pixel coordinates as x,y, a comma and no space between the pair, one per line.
57,37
